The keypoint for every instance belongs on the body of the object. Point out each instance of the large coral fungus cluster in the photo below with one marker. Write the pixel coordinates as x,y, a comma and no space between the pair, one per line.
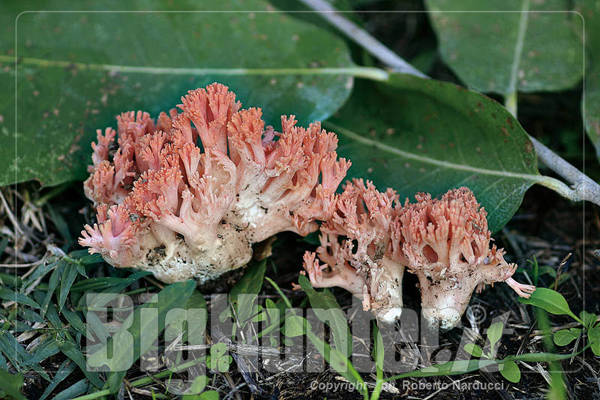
187,195
182,211
445,242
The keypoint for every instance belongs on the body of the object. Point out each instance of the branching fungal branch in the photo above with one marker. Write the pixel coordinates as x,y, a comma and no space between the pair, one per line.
182,211
360,250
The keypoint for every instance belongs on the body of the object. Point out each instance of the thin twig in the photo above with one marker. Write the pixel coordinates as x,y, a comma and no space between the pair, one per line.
583,187
361,37
32,264
241,349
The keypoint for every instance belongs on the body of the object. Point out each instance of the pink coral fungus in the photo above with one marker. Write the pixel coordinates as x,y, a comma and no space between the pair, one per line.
445,242
182,211
360,250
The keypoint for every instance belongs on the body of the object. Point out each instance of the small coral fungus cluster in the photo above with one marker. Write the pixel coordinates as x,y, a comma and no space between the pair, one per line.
372,238
182,211
186,195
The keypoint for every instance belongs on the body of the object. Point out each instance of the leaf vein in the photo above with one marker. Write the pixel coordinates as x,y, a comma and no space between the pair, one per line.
445,164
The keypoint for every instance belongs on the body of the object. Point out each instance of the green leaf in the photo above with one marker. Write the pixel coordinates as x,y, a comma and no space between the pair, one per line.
218,360
323,300
39,272
339,362
251,281
258,313
3,363
449,368
198,384
473,349
76,71
546,269
12,384
419,135
73,390
295,326
494,333
126,343
20,298
248,286
327,309
218,350
31,316
76,323
98,284
209,395
285,299
594,338
540,357
504,50
549,300
52,285
378,352
65,369
196,300
52,318
274,313
566,336
590,104
66,282
12,349
70,350
589,319
59,222
96,328
510,371
47,349
224,363
271,309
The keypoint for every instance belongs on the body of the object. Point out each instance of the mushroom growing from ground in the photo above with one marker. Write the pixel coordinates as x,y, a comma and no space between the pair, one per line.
360,250
445,242
182,211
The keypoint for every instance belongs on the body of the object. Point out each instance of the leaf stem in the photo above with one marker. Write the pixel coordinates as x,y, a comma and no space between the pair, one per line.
514,70
510,102
560,188
584,188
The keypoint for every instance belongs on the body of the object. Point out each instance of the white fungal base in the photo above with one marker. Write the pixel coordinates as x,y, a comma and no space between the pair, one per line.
179,261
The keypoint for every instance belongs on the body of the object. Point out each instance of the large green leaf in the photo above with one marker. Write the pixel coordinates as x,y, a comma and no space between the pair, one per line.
512,45
590,13
419,135
76,71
